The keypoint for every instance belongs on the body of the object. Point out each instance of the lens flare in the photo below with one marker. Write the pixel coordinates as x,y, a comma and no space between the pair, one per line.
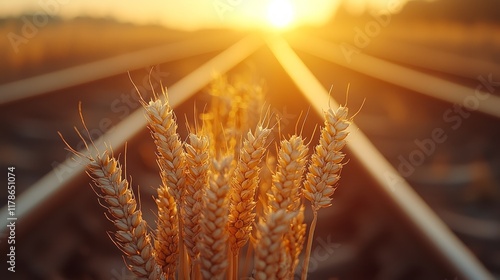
280,13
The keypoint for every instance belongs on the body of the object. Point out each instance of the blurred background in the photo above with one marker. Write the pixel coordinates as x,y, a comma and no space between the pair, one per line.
428,73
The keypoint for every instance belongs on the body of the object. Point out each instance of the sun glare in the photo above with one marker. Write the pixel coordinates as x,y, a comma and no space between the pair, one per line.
280,13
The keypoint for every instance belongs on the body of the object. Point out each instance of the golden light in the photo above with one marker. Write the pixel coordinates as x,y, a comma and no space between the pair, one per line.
280,13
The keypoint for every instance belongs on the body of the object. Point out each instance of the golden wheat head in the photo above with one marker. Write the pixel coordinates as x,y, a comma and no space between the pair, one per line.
326,162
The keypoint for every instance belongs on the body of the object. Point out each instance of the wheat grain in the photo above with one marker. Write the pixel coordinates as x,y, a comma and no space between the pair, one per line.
171,158
265,185
213,249
244,183
326,162
131,237
250,101
285,193
215,118
197,161
292,157
269,248
255,100
295,239
167,233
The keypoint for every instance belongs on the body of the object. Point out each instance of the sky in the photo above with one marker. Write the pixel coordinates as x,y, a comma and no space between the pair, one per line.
196,14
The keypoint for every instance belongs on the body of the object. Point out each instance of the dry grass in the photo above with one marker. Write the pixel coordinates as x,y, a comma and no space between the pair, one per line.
208,197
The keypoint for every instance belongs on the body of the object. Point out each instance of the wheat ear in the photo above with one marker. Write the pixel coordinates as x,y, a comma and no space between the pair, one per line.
197,162
171,159
167,233
324,170
285,192
265,185
295,239
131,237
213,249
269,248
292,157
244,184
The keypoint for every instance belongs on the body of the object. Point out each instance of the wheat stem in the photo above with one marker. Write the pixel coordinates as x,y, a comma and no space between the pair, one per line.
235,268
309,245
326,164
184,272
229,271
248,258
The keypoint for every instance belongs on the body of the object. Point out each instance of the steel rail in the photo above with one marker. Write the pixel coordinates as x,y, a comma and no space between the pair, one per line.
399,192
89,72
40,196
419,82
433,59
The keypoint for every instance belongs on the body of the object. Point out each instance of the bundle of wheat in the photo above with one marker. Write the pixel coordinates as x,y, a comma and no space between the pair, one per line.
208,196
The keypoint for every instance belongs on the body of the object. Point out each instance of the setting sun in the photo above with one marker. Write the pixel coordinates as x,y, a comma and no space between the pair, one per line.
280,13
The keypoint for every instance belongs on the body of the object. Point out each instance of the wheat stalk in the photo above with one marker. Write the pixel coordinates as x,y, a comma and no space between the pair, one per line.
325,167
213,249
197,161
265,185
244,184
131,237
235,108
295,239
215,119
262,194
326,162
269,248
167,233
171,158
171,161
285,194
